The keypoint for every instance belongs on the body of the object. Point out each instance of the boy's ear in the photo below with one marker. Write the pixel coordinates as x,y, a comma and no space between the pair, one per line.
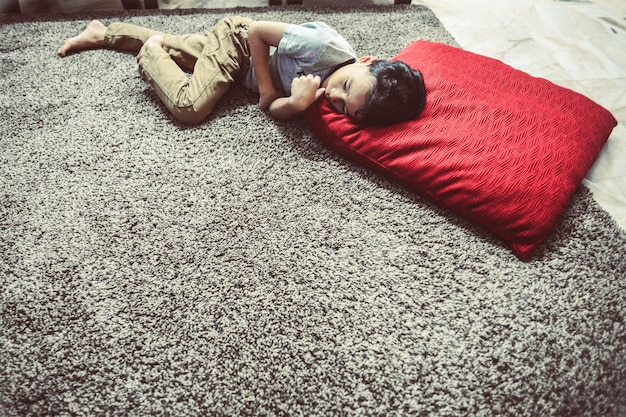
368,59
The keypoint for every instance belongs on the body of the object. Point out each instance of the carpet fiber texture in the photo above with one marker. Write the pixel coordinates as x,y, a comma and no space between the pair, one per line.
241,268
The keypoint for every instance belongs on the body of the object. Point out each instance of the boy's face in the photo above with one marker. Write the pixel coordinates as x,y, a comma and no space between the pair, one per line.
348,87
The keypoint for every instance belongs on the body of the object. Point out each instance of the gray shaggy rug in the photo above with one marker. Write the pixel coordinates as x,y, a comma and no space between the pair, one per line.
239,268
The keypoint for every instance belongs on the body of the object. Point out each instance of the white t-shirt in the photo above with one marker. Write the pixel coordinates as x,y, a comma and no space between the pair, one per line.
310,48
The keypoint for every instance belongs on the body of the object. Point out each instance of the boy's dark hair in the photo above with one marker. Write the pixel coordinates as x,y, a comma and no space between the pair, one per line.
398,95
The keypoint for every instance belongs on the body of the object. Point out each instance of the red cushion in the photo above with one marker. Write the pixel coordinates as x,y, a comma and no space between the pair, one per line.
494,144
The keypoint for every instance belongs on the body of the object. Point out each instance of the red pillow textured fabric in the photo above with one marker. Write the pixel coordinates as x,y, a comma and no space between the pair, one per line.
494,144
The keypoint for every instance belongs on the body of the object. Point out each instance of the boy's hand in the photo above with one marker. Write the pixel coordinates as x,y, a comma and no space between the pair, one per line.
305,90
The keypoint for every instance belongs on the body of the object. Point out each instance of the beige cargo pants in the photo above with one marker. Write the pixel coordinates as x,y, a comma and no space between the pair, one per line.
215,59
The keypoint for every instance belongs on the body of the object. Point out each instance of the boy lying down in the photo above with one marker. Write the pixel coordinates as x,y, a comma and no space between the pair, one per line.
290,66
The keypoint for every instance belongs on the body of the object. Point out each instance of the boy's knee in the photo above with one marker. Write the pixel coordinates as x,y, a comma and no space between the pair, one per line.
190,116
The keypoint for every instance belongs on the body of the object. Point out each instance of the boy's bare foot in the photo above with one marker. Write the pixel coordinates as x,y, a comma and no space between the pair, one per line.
155,41
91,37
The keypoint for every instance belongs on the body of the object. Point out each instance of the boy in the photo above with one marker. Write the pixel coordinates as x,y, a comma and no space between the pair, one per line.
310,61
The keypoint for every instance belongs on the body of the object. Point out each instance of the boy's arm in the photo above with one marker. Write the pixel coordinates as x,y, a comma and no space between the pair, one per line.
304,90
261,36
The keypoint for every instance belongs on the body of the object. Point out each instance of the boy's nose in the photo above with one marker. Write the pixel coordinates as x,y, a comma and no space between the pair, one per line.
332,94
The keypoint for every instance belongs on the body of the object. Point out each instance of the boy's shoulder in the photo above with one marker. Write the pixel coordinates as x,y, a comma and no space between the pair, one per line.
315,41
